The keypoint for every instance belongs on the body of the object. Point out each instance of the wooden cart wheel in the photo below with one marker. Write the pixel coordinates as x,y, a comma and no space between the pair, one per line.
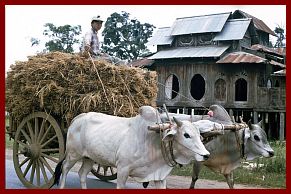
38,147
104,173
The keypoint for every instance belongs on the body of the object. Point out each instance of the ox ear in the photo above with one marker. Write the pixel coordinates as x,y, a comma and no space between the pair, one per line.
169,134
261,124
247,134
178,122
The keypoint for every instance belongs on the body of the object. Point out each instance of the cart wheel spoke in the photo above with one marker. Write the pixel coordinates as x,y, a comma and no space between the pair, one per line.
23,162
41,130
50,157
104,173
111,170
36,128
48,141
43,171
98,168
38,146
26,136
30,131
37,173
27,168
52,150
32,172
47,165
45,134
23,144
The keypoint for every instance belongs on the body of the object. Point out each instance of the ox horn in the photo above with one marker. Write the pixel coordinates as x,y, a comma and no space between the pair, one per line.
178,122
250,124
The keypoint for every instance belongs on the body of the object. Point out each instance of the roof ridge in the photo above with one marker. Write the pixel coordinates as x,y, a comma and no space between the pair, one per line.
249,15
203,15
239,19
164,27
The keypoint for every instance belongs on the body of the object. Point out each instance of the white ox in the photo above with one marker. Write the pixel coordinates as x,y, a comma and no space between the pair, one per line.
228,150
128,145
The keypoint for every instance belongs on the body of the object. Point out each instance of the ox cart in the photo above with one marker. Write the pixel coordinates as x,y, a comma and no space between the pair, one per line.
46,92
39,144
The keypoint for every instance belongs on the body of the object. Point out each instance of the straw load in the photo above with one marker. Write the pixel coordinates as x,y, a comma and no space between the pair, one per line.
65,85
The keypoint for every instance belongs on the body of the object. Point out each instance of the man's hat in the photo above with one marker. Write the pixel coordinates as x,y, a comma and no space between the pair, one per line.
97,18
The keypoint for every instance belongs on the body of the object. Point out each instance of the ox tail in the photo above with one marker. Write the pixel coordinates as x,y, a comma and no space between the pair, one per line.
58,172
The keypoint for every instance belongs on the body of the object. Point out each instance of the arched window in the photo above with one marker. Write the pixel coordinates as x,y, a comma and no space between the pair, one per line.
220,90
241,90
197,87
172,87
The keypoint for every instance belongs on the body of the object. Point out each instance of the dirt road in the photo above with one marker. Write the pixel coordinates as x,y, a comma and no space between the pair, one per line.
176,182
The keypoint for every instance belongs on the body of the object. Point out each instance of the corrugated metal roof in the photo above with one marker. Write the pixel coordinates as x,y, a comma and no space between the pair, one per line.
277,64
199,24
280,73
190,52
161,37
278,51
234,29
259,24
241,57
141,63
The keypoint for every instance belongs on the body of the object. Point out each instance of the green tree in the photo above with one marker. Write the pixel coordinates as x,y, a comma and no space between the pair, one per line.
61,38
124,37
280,32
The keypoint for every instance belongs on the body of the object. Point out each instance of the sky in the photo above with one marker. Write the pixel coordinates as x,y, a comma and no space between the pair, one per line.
22,22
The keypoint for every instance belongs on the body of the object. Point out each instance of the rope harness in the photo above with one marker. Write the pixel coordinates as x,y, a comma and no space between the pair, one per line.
167,150
240,143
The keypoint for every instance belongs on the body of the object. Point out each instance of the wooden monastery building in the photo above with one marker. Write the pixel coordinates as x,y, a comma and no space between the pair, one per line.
222,59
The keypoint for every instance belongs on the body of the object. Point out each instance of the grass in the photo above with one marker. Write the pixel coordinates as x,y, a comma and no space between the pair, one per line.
8,142
271,175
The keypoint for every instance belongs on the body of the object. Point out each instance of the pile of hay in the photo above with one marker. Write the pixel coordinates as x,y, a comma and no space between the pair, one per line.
65,85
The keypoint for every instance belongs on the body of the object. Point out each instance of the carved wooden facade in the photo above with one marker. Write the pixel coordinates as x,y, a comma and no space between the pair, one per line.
229,65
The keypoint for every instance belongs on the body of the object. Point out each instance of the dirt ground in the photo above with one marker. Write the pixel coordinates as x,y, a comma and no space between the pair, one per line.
176,182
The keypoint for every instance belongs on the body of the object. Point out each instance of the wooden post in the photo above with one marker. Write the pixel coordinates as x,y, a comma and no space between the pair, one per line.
255,117
282,127
266,121
192,111
185,110
230,112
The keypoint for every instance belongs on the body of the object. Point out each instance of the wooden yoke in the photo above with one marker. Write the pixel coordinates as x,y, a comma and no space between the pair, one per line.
233,127
236,126
157,127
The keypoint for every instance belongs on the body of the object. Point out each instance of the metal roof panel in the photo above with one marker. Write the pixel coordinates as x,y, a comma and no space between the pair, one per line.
280,73
241,57
259,24
161,37
199,24
278,51
190,52
234,29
